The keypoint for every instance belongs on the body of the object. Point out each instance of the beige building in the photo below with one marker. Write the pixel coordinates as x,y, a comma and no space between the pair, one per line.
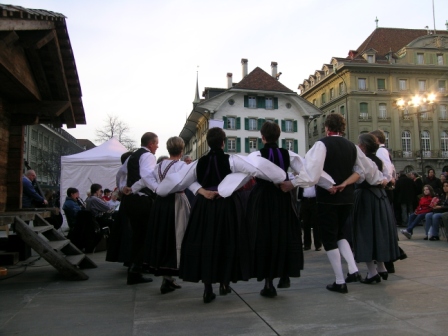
391,64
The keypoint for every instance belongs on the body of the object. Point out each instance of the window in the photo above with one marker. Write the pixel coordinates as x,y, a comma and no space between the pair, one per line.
288,126
46,141
41,138
24,145
386,142
363,111
422,85
443,114
341,88
420,58
370,59
231,145
289,144
442,85
314,102
382,111
381,84
252,102
269,103
342,110
425,143
331,93
406,143
440,59
231,123
253,124
444,143
323,98
34,135
362,84
253,144
402,84
33,150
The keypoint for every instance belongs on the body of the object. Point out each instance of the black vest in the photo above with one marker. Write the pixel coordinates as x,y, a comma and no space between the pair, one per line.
134,169
339,161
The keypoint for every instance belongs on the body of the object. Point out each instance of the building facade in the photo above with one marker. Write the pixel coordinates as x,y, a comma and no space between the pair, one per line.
390,65
242,108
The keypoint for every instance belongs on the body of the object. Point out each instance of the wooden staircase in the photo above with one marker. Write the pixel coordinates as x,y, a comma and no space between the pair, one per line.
54,247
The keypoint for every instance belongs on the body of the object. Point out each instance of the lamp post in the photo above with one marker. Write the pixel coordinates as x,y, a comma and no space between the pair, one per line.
417,101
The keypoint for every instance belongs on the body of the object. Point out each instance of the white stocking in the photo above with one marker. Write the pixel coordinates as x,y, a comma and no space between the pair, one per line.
346,252
372,269
335,260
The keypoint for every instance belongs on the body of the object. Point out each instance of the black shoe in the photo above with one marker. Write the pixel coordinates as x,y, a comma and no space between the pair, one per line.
224,289
353,277
426,238
383,275
209,297
268,292
166,288
318,248
172,283
340,288
390,267
137,278
434,238
376,278
284,282
306,248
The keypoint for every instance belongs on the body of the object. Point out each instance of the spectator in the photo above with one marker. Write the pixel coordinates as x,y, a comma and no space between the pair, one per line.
419,214
30,197
95,203
434,218
161,158
187,159
71,207
107,195
442,178
434,182
114,202
404,196
418,187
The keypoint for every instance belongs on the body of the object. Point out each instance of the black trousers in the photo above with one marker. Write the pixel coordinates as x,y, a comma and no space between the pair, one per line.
138,209
308,215
334,223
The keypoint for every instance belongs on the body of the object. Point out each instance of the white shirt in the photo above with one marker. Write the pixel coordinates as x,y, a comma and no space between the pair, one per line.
389,171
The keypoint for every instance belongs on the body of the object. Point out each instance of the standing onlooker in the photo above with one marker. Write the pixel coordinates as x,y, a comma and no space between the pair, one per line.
434,182
404,196
418,187
442,178
308,216
30,197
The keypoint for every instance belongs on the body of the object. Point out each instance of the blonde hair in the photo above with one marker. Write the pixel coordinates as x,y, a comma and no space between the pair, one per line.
175,145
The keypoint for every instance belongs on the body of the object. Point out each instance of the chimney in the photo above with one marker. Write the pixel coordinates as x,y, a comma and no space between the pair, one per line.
229,80
244,64
274,69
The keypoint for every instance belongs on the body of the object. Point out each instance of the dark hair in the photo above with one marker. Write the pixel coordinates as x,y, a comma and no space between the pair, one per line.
71,191
271,131
335,122
175,145
125,156
107,191
161,158
431,190
369,141
215,138
429,170
379,135
443,184
94,188
147,138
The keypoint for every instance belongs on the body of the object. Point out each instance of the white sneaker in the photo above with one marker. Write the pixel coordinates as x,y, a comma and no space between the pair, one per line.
406,233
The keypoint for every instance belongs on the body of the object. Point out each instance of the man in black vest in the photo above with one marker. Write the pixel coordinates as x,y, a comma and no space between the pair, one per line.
338,157
137,207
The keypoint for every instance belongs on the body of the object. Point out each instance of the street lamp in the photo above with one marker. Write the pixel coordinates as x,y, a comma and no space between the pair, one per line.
417,101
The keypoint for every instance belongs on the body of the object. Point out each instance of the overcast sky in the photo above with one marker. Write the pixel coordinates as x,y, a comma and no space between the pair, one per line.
138,59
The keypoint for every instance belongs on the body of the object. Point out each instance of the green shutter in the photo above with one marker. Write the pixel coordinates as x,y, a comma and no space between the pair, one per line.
225,145
238,145
283,126
296,146
225,122
246,144
261,102
260,123
260,144
246,124
276,121
246,101
284,143
276,103
295,125
238,123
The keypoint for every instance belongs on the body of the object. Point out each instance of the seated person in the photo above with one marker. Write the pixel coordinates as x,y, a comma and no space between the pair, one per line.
99,208
71,206
106,195
114,202
434,219
30,197
419,214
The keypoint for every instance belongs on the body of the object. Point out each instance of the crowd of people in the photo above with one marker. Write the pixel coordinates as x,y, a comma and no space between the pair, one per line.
226,218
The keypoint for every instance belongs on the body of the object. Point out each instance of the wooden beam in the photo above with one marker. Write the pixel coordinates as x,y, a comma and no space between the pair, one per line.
69,118
9,37
39,73
36,39
24,119
50,108
20,24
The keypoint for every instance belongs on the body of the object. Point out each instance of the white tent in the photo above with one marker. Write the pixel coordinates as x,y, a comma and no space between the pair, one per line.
97,165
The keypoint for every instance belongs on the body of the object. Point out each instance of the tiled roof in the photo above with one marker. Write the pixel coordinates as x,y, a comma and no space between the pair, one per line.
259,79
385,39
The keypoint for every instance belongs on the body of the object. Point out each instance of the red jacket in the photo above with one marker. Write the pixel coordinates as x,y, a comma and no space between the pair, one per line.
423,205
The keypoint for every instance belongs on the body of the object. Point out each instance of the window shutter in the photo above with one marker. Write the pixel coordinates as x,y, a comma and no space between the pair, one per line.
238,123
260,123
295,125
283,125
246,124
276,103
225,122
225,145
276,121
246,144
246,101
284,143
238,145
415,58
260,144
296,146
261,103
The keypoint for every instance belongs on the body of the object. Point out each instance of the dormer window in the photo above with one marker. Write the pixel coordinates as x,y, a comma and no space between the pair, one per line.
371,58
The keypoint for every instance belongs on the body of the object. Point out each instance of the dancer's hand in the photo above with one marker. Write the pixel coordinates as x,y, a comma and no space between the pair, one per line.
126,190
208,194
286,186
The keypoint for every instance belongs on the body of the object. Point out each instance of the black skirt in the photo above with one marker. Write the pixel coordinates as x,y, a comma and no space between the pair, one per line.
210,246
274,233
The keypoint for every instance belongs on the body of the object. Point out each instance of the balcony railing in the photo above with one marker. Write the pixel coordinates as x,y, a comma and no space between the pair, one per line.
427,154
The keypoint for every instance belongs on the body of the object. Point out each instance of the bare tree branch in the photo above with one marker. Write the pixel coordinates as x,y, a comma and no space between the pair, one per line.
113,126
